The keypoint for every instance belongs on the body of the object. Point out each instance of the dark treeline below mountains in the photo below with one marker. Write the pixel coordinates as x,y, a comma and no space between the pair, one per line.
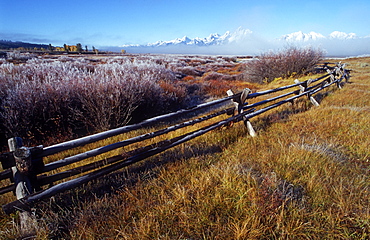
5,44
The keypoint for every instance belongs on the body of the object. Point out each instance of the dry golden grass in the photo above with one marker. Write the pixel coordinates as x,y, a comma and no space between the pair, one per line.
305,176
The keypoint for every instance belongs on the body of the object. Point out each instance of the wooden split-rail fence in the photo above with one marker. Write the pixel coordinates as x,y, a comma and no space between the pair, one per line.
30,182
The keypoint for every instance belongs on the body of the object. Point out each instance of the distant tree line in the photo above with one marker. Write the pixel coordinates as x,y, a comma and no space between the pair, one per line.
75,48
10,45
4,44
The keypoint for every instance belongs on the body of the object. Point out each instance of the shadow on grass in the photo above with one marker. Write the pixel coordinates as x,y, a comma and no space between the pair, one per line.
61,212
282,115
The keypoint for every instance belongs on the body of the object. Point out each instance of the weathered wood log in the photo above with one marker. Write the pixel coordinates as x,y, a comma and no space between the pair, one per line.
332,75
23,165
313,100
239,103
23,187
318,85
258,94
313,91
250,128
327,84
101,150
105,162
44,180
263,102
9,188
113,132
67,161
339,73
6,174
164,145
303,88
37,165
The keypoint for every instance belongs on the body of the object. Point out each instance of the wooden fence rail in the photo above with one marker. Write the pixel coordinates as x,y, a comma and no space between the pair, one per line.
27,171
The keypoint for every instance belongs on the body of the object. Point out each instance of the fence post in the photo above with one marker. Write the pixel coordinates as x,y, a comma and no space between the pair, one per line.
344,72
332,77
313,100
238,103
303,86
339,72
23,187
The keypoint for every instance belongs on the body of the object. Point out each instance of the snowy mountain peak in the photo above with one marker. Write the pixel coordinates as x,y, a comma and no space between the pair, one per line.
184,39
213,36
300,36
342,35
241,35
304,37
212,39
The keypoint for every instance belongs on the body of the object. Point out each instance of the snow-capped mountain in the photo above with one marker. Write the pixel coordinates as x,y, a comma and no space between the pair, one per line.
313,36
244,41
239,35
342,35
300,36
212,39
242,34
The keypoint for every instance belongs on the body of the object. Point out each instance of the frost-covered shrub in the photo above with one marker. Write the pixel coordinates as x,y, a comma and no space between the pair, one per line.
188,70
18,56
291,61
217,76
41,99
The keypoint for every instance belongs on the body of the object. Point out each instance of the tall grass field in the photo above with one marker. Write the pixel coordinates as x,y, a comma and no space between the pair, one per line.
306,175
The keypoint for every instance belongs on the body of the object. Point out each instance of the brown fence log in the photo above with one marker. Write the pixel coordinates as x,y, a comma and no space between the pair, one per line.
101,150
153,150
113,132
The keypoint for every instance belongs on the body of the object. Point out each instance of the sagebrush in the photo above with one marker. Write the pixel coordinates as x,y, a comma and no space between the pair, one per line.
286,63
43,98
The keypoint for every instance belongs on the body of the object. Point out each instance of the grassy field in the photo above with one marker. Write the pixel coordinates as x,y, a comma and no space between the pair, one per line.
305,176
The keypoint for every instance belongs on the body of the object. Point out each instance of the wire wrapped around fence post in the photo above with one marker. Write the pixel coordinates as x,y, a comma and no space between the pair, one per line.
238,103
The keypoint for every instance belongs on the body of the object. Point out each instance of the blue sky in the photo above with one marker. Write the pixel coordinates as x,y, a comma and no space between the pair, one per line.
114,22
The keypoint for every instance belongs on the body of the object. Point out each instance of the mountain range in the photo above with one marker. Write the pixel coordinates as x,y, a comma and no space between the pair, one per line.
242,34
212,39
300,36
